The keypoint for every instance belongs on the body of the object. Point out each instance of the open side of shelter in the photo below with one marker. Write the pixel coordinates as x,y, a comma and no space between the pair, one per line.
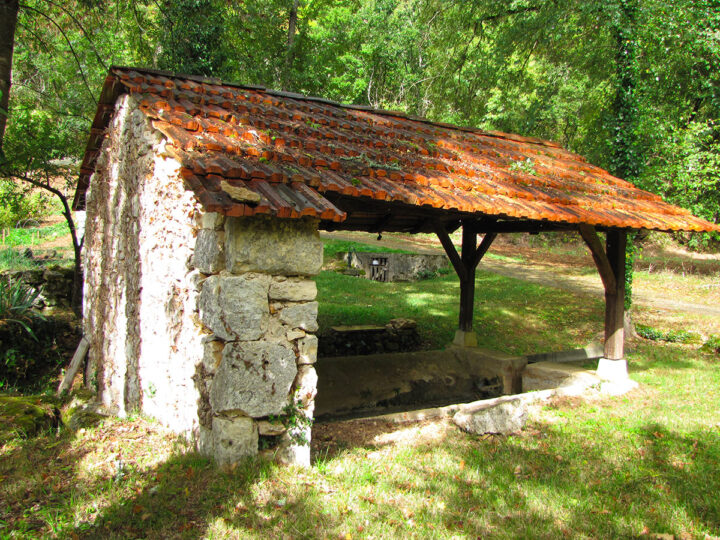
204,200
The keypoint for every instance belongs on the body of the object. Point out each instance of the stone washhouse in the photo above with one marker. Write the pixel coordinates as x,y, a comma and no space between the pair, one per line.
204,200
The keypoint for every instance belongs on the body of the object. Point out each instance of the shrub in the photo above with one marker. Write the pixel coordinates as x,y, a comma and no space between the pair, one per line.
28,363
712,344
16,303
672,336
17,205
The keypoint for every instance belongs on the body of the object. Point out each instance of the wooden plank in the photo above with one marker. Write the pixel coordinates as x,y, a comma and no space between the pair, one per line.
483,248
589,235
382,222
75,363
450,250
523,226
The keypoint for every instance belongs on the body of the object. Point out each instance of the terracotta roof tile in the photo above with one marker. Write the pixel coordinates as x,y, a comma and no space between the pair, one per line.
295,152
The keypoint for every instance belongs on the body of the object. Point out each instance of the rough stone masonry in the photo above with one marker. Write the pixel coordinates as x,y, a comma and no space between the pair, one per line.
205,322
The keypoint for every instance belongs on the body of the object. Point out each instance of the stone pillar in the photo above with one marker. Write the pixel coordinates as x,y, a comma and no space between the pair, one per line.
257,305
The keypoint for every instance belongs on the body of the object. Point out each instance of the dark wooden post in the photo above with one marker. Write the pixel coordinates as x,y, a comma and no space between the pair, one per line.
467,281
615,298
465,266
611,265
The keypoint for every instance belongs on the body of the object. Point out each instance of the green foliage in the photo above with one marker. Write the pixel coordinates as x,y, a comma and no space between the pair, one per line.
295,420
34,235
630,84
18,207
191,39
17,301
671,336
29,362
712,344
12,259
527,166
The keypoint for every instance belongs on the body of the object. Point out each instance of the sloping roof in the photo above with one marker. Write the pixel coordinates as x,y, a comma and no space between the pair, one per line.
248,151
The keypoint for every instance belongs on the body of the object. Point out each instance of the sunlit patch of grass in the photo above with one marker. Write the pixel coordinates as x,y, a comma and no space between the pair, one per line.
34,235
511,316
332,247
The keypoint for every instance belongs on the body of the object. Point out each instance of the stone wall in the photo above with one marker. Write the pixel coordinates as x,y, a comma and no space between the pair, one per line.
397,335
55,284
258,306
203,322
400,266
383,383
139,310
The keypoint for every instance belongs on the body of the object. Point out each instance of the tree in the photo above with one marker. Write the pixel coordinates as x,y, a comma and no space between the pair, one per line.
8,22
55,47
191,38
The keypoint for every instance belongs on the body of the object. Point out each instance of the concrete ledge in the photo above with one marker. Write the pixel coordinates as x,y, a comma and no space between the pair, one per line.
591,352
566,378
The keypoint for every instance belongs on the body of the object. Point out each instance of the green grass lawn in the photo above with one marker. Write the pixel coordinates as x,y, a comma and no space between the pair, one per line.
511,315
611,468
11,257
643,464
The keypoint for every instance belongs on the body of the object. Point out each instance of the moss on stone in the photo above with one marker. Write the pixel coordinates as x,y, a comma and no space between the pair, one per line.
24,416
79,413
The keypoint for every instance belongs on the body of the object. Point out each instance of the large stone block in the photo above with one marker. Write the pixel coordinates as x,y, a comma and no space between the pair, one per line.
293,289
307,350
306,387
209,254
281,247
505,417
233,439
235,307
212,355
301,316
253,377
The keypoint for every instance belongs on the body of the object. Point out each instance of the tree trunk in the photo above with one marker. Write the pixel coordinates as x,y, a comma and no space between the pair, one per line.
626,160
290,53
8,21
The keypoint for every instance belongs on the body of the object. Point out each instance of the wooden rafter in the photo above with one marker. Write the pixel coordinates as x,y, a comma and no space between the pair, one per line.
589,235
450,250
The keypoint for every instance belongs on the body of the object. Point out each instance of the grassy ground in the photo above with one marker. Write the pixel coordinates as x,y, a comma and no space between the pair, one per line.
51,240
612,468
515,316
642,464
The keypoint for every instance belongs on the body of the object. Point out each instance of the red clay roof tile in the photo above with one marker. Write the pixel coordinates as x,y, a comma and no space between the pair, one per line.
292,150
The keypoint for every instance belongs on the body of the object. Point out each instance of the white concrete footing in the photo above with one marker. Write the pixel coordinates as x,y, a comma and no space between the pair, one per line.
612,370
614,374
465,339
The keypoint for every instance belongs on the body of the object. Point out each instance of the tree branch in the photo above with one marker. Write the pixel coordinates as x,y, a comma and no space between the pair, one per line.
82,29
72,50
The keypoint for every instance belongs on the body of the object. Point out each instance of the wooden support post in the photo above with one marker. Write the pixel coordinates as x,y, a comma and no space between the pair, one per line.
611,265
75,364
467,282
465,266
615,298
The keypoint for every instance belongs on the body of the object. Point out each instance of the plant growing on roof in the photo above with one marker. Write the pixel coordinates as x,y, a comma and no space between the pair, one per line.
527,166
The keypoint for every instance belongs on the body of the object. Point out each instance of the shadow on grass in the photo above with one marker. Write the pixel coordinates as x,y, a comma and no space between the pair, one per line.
552,481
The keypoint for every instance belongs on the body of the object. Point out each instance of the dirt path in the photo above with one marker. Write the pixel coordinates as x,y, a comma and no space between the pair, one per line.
547,274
